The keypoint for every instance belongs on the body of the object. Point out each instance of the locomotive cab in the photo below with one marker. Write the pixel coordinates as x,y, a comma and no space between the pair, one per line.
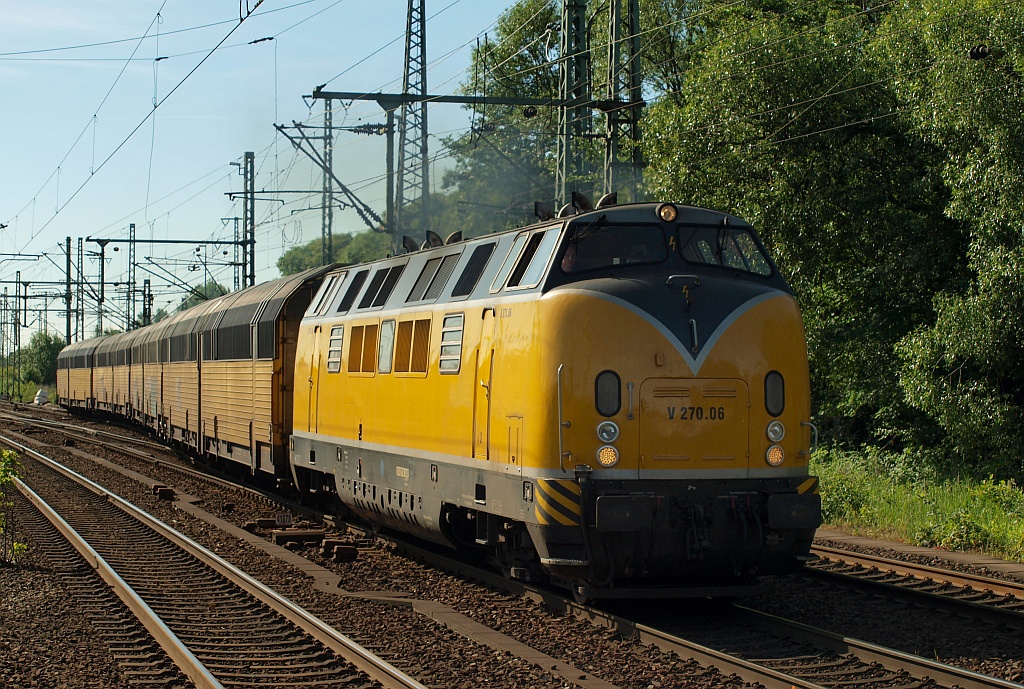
683,406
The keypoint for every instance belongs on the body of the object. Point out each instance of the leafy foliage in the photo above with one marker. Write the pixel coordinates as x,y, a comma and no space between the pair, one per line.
39,358
776,120
210,290
348,248
965,369
10,550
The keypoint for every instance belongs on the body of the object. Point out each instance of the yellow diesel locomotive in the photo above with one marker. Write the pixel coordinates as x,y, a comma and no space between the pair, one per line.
617,400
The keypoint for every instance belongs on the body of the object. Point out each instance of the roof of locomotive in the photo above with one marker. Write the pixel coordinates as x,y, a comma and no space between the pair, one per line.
408,279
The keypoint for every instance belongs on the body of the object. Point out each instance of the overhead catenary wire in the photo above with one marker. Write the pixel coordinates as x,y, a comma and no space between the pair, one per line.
139,126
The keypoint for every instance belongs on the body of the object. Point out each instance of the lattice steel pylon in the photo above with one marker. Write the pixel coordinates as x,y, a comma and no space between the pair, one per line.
327,212
573,83
413,173
623,161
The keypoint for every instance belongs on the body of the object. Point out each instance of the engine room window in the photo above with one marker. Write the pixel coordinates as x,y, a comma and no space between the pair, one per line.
451,344
353,290
426,275
444,273
334,349
724,246
412,346
327,292
592,247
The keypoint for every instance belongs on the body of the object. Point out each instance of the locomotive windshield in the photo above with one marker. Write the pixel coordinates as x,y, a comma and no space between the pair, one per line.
728,247
602,245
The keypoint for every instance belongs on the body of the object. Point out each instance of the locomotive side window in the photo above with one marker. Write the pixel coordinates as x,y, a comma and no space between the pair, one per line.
426,275
386,347
531,265
605,246
471,274
370,348
353,290
443,274
727,247
327,292
451,344
420,346
334,349
510,260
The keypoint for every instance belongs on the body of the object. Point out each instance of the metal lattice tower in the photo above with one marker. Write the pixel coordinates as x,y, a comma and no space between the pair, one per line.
573,83
327,214
623,160
413,164
130,310
249,220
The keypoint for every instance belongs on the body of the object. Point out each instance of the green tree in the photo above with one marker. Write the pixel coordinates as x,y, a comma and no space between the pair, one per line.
211,290
966,370
348,248
39,358
506,161
775,117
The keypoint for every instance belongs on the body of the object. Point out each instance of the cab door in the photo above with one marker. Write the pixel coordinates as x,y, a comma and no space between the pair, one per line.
484,391
314,381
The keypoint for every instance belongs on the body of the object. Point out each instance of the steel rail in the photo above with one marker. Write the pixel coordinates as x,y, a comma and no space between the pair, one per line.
373,666
974,581
168,640
888,658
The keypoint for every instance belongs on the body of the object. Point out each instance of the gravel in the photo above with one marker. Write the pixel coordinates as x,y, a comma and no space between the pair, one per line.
45,639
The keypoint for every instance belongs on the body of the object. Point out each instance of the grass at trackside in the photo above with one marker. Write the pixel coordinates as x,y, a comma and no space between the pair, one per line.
884,496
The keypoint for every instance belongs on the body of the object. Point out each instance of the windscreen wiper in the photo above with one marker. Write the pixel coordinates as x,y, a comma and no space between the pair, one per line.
581,234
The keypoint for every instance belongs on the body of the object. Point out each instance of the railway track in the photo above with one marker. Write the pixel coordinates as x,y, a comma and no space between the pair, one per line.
999,600
758,648
218,625
753,647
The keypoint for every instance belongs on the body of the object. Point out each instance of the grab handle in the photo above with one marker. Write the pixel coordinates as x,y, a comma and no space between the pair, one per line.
814,445
562,454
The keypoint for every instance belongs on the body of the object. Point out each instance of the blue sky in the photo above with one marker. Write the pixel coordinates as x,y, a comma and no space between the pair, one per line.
76,79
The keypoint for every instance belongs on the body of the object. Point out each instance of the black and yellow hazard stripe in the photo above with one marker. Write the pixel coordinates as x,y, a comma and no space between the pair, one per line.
809,486
558,502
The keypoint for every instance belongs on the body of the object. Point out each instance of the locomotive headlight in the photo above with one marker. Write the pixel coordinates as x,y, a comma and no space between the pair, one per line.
774,456
607,432
776,431
667,212
607,456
